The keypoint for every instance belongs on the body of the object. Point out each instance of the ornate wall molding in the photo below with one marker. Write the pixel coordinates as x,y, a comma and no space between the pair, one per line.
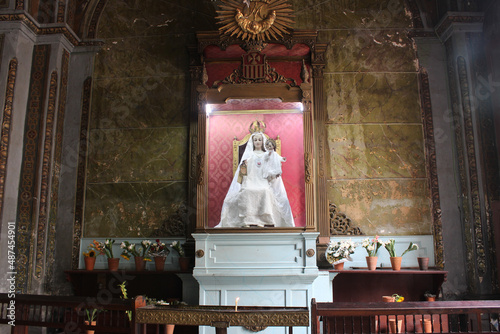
430,151
445,27
472,165
53,30
90,29
463,201
50,252
340,224
487,151
6,127
41,233
28,196
81,172
61,10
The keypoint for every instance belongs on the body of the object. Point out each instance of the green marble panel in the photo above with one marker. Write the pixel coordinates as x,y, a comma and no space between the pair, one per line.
376,151
342,14
361,50
138,155
372,98
142,57
384,207
153,17
132,209
140,102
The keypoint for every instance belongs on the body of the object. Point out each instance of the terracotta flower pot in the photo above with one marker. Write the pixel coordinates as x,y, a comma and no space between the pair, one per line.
423,263
170,329
396,262
371,262
113,263
140,264
339,266
89,262
160,262
89,331
388,299
184,263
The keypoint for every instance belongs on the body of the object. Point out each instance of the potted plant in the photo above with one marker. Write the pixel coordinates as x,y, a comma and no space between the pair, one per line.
89,257
372,247
91,319
396,260
183,260
159,251
337,253
430,297
140,256
106,248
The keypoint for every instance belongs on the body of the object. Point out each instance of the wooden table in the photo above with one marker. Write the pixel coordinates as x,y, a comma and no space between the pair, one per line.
221,317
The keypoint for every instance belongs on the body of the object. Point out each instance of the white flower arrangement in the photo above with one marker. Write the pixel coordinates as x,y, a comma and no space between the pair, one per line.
340,251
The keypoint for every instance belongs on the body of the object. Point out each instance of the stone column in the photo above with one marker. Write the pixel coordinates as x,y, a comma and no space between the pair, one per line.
470,114
43,98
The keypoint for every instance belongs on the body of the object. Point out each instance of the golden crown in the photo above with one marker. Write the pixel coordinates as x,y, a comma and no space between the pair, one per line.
257,126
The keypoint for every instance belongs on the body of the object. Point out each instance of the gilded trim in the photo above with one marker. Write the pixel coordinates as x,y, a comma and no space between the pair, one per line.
450,19
61,9
39,31
94,21
28,194
459,145
471,159
6,127
340,224
81,171
56,171
223,315
41,234
430,151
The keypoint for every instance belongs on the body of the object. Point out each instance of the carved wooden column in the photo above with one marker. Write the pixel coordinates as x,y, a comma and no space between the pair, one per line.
320,117
307,99
196,70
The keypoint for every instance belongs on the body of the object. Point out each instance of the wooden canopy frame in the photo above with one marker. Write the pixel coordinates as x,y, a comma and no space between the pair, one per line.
309,93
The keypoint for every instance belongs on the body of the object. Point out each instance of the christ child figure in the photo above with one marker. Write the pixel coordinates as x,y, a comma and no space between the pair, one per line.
273,161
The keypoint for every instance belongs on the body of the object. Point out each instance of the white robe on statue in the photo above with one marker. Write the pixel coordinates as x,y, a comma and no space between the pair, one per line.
256,201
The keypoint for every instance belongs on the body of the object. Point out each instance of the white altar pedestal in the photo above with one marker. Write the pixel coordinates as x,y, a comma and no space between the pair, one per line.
261,269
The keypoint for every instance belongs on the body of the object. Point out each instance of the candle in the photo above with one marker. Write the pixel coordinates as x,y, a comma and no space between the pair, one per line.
236,304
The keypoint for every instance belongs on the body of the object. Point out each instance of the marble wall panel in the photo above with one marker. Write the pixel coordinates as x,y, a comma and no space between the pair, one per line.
138,155
376,151
384,207
132,209
153,17
376,50
372,97
140,102
342,14
143,56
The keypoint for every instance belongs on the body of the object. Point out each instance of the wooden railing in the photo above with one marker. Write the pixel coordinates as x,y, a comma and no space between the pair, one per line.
69,313
471,316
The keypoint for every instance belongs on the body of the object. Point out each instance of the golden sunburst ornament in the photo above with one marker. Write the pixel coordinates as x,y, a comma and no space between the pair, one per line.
255,19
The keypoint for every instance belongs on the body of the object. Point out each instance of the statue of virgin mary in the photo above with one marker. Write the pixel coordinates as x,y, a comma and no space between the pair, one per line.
252,200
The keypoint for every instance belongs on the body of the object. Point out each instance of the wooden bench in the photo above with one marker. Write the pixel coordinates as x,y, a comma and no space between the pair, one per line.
473,316
68,313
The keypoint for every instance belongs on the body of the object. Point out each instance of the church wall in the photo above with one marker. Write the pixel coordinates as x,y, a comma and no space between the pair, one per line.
137,167
377,168
138,153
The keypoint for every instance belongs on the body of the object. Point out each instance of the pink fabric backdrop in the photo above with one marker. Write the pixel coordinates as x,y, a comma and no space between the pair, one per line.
222,129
